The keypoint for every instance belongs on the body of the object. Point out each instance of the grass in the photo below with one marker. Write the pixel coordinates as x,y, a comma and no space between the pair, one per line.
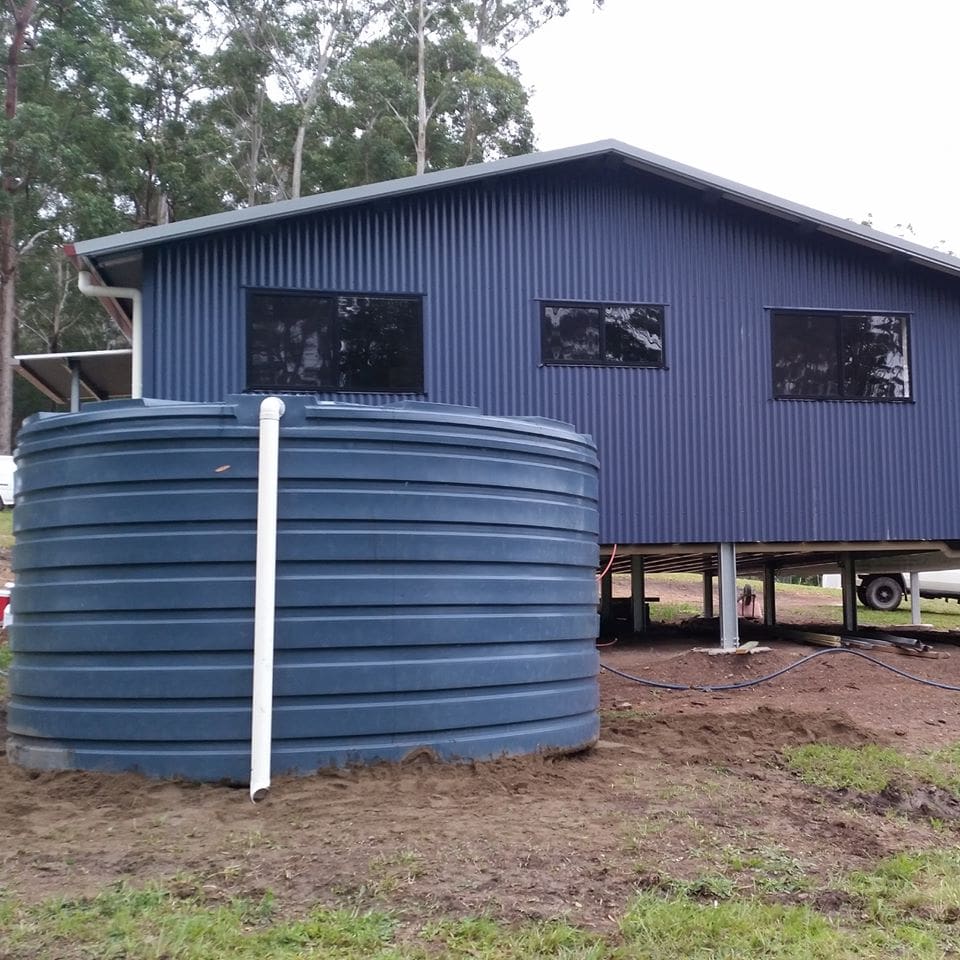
906,906
872,768
155,922
6,528
925,885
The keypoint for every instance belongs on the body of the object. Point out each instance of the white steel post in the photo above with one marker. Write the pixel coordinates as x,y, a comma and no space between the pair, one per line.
914,597
729,625
74,386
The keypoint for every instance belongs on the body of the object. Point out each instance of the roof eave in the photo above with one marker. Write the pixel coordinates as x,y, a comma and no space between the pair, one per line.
640,159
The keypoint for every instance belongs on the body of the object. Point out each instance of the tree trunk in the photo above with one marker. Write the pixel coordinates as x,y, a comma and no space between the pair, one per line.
9,264
470,116
422,116
9,254
256,142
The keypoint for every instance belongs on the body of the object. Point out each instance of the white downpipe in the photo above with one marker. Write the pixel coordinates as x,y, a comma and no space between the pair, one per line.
264,614
88,288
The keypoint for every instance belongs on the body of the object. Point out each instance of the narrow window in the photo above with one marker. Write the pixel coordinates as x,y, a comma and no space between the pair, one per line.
613,334
350,343
840,356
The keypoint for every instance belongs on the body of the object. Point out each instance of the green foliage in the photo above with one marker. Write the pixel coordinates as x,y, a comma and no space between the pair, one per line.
138,112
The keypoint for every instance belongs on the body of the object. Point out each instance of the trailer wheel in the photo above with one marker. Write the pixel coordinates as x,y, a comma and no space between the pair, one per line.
882,593
862,595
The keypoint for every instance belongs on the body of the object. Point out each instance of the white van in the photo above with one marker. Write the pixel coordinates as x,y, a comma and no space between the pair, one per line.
885,591
7,469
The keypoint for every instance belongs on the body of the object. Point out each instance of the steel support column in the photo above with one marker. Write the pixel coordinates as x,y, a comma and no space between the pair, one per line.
729,626
914,597
606,596
637,595
74,386
769,595
848,584
708,596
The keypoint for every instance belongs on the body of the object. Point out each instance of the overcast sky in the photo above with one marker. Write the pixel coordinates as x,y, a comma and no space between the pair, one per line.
847,106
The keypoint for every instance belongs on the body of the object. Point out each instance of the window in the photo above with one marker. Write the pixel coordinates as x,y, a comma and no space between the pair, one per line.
313,342
840,356
616,334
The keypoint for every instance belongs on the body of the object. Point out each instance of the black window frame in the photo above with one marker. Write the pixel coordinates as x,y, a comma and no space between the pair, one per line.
838,315
333,296
543,303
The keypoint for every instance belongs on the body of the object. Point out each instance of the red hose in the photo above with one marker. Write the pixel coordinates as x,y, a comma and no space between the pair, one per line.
606,569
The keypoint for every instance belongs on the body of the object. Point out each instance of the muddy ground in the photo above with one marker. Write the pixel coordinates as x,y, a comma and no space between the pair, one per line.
677,781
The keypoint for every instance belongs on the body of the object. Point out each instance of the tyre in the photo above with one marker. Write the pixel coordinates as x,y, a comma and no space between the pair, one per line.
882,593
862,595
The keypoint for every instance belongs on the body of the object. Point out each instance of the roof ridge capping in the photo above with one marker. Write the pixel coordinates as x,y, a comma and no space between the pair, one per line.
133,240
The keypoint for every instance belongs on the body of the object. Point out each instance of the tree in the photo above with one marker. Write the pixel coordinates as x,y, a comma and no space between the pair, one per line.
413,87
13,182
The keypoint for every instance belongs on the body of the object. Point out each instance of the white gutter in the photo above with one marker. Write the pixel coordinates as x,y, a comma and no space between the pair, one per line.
88,288
264,615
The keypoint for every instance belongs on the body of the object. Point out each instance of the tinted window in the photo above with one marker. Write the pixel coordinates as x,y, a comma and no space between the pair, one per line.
380,344
289,342
326,343
620,334
633,334
571,334
840,356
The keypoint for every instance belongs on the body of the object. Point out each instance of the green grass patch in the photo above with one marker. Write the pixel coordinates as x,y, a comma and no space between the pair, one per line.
868,769
908,912
658,928
872,768
939,613
485,939
768,869
6,528
911,885
153,923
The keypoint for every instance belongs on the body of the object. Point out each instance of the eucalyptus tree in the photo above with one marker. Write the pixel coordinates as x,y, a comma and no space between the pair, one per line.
97,97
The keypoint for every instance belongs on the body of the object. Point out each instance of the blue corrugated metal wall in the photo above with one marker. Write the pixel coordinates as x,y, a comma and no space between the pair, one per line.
697,452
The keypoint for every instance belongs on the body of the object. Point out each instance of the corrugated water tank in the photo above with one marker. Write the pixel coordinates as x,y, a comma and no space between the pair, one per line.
435,587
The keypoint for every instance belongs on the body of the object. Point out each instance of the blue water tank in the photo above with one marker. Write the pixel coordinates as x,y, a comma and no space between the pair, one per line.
435,587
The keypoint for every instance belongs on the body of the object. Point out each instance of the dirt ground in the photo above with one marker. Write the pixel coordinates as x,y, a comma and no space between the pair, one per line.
676,780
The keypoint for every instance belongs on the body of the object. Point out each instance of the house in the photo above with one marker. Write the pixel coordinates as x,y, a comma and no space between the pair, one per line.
768,386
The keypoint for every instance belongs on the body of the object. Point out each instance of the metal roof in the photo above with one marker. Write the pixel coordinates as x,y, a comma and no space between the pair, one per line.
826,223
103,374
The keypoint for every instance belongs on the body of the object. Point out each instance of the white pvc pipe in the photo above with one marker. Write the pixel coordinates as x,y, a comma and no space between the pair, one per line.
88,288
264,614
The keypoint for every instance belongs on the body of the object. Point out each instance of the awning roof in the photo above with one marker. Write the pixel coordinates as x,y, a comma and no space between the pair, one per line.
104,374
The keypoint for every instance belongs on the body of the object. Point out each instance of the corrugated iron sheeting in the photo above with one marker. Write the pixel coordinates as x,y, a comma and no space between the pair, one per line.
697,452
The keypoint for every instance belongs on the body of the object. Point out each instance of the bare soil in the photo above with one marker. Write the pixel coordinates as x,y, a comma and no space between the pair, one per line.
676,781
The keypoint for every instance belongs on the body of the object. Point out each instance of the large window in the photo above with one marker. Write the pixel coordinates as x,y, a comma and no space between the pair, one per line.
314,342
840,356
617,334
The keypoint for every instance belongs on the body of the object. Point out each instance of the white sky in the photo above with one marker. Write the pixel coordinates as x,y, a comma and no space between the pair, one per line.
847,106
